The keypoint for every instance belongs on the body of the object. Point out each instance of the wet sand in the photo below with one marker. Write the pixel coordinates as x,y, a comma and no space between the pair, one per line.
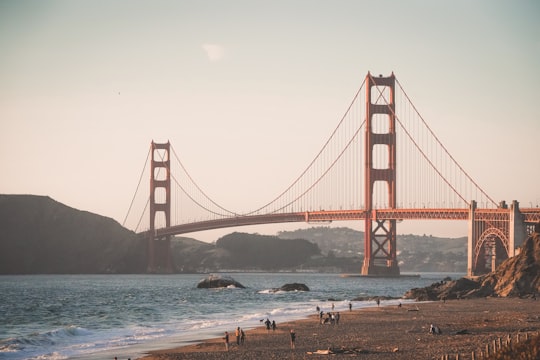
386,332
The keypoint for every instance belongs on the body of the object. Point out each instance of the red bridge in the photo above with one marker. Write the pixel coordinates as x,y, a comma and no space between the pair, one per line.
381,160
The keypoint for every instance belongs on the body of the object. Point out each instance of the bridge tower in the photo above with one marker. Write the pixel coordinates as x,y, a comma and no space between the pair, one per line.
159,255
380,258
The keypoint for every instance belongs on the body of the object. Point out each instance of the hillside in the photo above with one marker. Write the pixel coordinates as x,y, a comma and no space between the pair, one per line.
426,253
520,274
416,253
338,241
40,235
242,251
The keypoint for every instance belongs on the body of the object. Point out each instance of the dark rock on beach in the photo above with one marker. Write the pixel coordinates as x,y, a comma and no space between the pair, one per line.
443,290
217,281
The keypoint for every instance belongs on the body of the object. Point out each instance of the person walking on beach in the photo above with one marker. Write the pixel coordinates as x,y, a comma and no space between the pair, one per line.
242,336
267,323
226,338
237,333
350,306
274,325
293,338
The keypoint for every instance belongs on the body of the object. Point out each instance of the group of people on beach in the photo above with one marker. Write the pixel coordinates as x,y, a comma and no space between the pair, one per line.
270,324
241,335
332,318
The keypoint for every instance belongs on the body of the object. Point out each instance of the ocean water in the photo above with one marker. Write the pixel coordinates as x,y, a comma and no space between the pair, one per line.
91,317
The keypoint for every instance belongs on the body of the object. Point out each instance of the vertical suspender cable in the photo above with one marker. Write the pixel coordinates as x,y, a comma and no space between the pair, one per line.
137,189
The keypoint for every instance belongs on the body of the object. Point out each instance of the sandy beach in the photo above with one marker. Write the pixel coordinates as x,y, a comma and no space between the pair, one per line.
385,332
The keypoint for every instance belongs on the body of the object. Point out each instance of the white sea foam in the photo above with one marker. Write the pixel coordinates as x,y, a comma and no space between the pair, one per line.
51,356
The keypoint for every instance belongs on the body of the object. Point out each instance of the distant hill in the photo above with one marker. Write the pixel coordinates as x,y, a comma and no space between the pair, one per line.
337,241
242,251
426,253
416,253
42,236
266,252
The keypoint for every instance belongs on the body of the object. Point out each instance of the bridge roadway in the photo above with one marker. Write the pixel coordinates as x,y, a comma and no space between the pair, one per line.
530,215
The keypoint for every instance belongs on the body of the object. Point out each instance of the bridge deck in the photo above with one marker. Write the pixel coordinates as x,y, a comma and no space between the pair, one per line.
531,215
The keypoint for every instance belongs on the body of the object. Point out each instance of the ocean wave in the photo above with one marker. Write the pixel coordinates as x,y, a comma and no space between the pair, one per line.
109,314
51,356
271,291
35,343
9,346
45,338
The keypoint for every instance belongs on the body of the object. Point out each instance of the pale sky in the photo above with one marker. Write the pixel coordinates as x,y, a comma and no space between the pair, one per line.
247,92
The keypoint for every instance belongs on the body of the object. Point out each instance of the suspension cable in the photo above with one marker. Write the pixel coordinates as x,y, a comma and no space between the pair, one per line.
316,157
325,172
444,148
142,214
418,147
439,142
198,188
137,189
198,203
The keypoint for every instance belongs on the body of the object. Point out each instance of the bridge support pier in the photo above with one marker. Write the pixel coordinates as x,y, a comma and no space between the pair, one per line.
470,240
518,229
381,260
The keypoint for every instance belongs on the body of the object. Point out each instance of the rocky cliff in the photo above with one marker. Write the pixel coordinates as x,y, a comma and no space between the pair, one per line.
517,276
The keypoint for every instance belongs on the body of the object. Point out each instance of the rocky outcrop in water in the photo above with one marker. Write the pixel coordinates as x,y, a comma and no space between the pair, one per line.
518,276
218,281
294,287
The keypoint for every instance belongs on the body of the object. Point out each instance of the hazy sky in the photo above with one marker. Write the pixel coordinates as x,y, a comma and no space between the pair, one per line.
248,91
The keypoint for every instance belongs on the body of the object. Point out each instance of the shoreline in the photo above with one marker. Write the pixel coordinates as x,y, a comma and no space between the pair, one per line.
183,339
386,332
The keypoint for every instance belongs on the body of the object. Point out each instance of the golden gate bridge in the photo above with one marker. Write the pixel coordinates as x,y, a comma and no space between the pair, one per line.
382,164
